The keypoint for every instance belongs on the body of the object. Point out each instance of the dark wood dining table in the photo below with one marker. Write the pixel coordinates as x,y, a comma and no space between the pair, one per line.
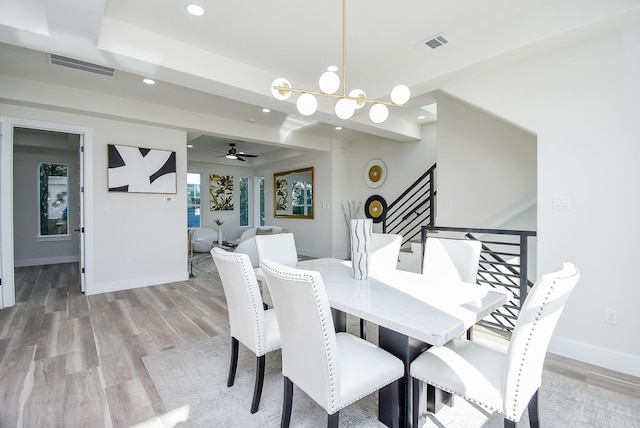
412,312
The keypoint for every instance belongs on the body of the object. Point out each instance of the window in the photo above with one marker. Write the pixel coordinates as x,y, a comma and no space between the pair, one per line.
53,191
301,198
245,209
260,185
193,200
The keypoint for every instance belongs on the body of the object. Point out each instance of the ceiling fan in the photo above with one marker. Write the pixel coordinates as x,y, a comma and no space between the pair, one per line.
234,154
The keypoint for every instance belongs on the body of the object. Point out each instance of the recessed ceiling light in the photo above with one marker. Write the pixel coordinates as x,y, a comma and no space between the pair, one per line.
149,81
195,10
190,146
421,117
332,68
338,128
266,110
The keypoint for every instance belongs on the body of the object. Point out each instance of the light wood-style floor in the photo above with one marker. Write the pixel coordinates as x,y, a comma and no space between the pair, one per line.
68,360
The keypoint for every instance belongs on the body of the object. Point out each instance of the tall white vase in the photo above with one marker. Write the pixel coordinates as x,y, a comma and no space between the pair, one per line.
220,238
361,247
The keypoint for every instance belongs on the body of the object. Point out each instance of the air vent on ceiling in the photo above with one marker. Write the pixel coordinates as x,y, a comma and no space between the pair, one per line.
81,65
434,42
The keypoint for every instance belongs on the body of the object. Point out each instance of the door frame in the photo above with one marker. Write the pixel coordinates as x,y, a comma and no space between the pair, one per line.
8,124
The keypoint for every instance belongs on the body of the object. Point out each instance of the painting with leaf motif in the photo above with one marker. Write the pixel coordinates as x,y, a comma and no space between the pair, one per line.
221,192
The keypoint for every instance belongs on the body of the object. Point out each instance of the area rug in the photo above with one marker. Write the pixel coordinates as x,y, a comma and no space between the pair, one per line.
195,375
203,263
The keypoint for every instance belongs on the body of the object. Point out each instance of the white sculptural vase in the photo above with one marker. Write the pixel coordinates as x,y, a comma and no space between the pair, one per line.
361,230
220,238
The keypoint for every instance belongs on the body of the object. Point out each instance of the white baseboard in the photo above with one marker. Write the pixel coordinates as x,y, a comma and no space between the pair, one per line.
106,287
46,261
623,363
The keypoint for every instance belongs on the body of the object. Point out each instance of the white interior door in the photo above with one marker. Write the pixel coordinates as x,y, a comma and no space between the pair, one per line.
81,266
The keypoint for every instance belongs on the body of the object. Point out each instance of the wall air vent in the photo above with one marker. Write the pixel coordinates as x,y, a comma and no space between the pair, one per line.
434,42
81,65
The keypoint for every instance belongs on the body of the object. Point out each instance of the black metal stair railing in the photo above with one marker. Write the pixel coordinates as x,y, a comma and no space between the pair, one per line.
414,208
504,264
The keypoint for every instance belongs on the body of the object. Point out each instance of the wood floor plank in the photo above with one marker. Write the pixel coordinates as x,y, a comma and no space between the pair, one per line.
129,404
183,326
157,327
86,403
46,403
14,371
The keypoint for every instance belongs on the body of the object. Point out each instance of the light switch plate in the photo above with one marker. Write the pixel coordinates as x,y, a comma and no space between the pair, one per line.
561,203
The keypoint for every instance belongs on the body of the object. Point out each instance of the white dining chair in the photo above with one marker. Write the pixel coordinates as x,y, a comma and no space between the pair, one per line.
451,259
385,249
280,248
249,323
334,369
502,382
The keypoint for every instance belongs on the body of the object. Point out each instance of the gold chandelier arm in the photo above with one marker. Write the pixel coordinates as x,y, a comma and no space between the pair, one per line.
285,89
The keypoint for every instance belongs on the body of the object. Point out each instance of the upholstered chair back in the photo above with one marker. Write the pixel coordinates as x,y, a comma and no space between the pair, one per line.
244,301
280,248
309,349
451,259
385,248
537,320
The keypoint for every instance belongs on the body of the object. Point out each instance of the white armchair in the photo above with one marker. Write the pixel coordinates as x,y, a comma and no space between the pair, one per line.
202,239
251,232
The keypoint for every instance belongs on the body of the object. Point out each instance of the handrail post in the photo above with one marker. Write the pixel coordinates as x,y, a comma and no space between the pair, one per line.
524,268
423,241
432,208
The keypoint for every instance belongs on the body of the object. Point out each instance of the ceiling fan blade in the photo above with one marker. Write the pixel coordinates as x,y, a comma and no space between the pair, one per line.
239,158
248,156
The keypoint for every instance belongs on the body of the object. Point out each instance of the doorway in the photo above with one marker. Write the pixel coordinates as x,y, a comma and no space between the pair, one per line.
35,227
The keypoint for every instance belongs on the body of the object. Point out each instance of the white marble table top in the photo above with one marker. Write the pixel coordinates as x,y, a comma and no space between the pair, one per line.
407,302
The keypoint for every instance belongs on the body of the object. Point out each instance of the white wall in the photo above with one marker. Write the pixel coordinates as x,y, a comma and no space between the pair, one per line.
582,100
485,165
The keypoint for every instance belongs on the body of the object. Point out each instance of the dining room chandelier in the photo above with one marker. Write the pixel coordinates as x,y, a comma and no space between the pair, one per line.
329,83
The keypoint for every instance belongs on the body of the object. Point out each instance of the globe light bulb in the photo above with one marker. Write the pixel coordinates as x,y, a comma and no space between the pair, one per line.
358,93
345,108
329,82
378,113
307,104
400,94
280,94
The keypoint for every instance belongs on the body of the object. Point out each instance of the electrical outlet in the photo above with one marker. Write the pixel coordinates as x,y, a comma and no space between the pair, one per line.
611,316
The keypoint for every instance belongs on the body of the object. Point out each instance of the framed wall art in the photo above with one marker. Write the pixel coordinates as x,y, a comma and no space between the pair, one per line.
141,170
221,192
